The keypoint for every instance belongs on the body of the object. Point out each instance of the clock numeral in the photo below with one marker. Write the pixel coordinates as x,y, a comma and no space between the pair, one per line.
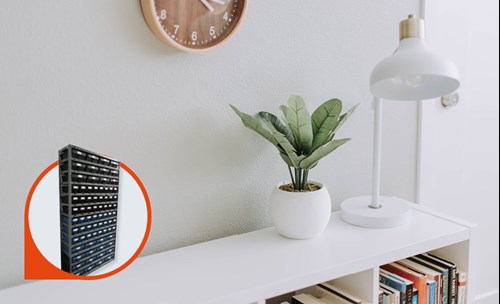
176,26
194,36
212,30
163,14
225,16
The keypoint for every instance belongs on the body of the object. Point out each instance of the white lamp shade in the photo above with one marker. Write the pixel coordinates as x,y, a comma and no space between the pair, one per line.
413,72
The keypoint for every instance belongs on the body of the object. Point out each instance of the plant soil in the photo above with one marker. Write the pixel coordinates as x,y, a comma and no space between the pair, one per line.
309,188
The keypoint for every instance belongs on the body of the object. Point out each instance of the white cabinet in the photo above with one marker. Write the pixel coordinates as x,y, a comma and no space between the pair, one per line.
259,265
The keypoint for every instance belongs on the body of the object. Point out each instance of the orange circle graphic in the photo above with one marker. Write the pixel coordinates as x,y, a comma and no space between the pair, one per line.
37,267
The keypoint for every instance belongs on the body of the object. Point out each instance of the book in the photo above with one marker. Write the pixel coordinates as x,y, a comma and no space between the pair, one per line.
452,269
386,296
419,279
414,299
337,295
446,275
394,291
431,291
305,299
431,274
461,286
381,298
444,281
404,286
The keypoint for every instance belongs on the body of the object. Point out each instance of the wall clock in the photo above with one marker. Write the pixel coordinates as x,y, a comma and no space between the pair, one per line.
193,25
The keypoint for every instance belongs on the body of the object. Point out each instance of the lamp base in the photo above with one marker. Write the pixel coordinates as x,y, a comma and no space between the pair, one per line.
393,212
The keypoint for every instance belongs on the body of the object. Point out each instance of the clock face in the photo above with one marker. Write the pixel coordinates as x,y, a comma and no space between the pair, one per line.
193,25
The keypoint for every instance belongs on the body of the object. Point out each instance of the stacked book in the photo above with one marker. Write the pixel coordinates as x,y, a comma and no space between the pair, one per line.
422,279
326,293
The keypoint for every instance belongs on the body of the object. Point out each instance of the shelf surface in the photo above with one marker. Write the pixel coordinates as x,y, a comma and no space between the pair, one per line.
253,266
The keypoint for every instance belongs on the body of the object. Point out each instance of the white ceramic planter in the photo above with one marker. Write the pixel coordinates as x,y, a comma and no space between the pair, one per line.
300,215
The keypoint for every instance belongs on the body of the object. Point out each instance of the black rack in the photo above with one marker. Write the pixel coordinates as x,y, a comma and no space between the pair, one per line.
88,191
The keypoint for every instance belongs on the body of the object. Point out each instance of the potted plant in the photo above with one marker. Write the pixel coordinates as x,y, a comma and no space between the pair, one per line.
300,208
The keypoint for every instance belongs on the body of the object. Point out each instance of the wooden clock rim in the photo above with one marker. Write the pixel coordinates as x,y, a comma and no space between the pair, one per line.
149,13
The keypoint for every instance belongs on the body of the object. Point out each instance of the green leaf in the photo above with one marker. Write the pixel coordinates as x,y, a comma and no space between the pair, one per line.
274,121
252,123
286,159
287,148
313,165
323,121
284,109
321,152
299,121
343,118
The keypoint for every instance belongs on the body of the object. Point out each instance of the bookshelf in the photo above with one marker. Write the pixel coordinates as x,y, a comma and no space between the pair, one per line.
88,189
252,267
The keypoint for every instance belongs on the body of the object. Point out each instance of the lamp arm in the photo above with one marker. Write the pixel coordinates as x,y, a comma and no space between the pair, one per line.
366,211
377,147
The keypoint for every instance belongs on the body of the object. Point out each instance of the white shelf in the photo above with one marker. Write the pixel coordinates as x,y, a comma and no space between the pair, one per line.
258,265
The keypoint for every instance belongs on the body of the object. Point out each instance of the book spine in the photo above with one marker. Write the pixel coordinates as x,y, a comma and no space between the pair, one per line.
381,298
397,297
461,294
453,286
446,282
461,286
439,299
414,299
387,299
432,293
409,293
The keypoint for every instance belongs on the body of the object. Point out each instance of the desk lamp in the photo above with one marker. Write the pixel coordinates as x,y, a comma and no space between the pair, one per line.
412,73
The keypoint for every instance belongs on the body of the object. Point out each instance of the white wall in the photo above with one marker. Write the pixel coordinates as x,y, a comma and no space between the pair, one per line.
459,173
92,74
